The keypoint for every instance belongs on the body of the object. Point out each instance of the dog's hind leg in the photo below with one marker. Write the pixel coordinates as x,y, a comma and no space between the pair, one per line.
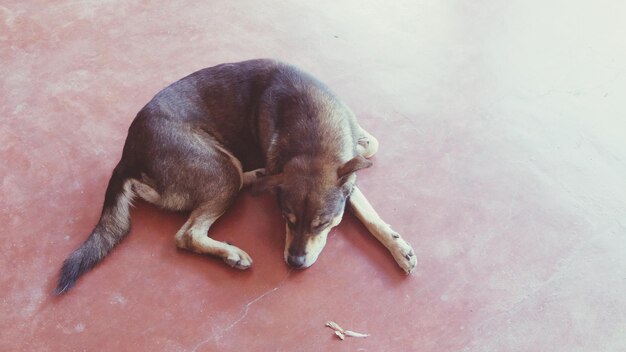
402,251
193,236
221,178
367,145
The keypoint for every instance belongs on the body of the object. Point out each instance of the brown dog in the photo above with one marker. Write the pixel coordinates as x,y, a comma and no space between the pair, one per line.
261,123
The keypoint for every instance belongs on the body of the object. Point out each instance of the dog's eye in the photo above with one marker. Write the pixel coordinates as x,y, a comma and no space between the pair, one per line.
322,225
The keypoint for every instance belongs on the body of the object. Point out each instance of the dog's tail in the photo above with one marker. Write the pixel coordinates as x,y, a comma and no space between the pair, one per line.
114,224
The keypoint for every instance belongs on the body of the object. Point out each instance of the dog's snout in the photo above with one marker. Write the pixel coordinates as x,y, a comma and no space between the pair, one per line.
296,261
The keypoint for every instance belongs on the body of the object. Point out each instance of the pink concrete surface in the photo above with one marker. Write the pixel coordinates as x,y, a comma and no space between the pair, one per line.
503,161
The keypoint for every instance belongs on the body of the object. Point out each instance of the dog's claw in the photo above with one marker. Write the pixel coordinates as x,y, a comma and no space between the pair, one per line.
364,142
409,265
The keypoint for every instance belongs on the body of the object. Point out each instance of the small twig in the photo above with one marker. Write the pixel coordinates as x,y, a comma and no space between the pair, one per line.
341,333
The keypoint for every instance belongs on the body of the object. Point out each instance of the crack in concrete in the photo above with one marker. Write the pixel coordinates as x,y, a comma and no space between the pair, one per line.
246,309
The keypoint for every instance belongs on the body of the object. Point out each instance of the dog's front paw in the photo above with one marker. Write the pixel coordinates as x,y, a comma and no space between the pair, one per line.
403,253
237,258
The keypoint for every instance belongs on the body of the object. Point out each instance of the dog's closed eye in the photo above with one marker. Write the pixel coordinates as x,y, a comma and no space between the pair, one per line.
318,225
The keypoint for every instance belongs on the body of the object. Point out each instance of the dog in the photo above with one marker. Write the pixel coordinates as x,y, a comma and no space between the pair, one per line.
262,124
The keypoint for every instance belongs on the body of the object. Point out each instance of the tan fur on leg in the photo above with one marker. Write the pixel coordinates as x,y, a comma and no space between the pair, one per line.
193,236
402,251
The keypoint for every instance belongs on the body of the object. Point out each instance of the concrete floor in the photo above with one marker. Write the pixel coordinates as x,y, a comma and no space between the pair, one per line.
503,161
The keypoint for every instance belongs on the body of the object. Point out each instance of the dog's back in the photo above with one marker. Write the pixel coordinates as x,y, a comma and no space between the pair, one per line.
242,105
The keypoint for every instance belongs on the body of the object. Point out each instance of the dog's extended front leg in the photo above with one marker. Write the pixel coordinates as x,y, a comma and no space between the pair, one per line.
402,251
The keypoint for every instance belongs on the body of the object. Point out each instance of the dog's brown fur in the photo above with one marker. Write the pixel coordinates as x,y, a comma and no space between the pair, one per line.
259,123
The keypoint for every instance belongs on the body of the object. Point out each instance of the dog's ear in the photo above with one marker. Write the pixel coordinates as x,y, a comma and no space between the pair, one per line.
266,183
352,165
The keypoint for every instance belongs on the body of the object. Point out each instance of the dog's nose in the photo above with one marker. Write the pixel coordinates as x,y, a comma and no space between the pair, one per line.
296,261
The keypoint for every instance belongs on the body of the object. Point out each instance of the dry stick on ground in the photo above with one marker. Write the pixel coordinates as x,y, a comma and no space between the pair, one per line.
342,333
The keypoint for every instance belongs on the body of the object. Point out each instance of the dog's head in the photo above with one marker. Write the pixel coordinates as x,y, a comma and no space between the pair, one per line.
312,196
